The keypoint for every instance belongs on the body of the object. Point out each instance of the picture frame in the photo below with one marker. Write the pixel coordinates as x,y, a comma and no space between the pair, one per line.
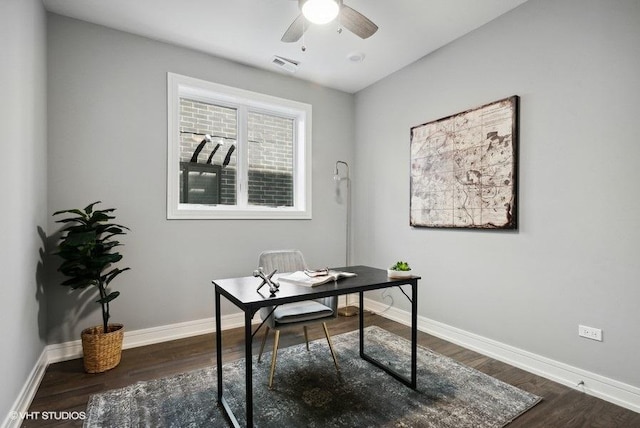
464,169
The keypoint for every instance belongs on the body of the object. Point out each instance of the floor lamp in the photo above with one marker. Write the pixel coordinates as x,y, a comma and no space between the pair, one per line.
347,311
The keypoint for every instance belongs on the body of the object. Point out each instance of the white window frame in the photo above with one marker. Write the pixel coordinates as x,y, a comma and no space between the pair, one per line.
179,86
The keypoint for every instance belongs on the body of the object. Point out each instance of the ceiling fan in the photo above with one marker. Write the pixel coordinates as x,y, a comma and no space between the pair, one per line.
324,11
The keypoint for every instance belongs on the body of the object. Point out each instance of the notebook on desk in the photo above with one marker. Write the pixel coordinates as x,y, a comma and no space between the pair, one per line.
314,278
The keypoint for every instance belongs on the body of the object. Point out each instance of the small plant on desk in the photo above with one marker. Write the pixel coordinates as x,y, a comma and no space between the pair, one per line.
401,266
399,270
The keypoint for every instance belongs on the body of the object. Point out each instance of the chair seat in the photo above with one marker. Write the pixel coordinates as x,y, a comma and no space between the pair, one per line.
301,311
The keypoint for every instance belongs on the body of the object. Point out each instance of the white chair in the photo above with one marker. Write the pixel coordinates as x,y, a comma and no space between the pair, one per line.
290,314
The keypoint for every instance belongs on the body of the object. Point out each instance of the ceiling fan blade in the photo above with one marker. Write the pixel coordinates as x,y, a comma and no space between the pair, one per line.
295,30
356,22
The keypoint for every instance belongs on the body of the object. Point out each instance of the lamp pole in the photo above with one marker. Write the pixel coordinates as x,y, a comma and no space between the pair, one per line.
347,311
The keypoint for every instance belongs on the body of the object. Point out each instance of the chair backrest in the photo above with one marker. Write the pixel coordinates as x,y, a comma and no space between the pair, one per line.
290,261
283,260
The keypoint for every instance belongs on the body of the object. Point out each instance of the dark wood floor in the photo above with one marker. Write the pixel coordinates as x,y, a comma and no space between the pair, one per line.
65,386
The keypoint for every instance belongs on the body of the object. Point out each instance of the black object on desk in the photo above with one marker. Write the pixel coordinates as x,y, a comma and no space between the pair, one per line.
242,293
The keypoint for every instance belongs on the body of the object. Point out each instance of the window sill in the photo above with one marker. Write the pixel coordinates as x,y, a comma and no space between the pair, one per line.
208,212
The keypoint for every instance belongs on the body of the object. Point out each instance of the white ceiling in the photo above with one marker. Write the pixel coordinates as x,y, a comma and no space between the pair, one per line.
249,31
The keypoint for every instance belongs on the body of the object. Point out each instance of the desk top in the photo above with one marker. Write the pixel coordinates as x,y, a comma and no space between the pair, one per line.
242,291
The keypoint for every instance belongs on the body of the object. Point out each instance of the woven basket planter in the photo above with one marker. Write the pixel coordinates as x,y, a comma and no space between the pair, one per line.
102,351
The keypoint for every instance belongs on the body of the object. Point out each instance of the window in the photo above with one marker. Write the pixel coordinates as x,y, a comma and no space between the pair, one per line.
236,154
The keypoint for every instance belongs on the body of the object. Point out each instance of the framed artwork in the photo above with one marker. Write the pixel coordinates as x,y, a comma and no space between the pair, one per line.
464,169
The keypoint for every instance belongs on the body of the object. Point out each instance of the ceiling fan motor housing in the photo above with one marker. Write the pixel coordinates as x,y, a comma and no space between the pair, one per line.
349,18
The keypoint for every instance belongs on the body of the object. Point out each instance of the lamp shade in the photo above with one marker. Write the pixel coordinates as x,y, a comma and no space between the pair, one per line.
320,11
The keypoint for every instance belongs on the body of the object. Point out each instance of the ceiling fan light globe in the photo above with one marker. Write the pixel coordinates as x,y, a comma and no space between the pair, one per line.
320,11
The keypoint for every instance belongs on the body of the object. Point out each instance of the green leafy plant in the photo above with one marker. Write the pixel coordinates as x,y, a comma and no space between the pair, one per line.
401,266
87,249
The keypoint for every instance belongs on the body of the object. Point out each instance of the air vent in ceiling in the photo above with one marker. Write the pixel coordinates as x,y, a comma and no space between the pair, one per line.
285,63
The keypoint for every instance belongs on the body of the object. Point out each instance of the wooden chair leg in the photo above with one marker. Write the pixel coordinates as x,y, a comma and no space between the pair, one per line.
333,353
306,336
274,356
264,340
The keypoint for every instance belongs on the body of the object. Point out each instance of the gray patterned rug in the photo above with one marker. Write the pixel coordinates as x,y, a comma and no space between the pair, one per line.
308,392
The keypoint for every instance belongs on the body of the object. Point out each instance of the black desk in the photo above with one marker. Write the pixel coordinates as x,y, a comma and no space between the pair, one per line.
242,293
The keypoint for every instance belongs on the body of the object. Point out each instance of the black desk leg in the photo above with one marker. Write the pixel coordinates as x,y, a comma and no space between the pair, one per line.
414,333
249,367
361,323
218,346
411,380
221,400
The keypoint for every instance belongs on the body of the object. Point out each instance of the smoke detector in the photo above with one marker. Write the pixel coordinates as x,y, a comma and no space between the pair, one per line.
285,63
356,56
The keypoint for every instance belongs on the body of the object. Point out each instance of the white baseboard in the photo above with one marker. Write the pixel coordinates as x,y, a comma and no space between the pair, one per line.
148,336
23,401
608,389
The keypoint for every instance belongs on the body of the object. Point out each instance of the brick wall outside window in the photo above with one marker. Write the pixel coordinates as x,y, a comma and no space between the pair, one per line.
270,151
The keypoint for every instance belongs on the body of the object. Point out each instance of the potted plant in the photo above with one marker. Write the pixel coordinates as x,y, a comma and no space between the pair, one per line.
87,247
399,270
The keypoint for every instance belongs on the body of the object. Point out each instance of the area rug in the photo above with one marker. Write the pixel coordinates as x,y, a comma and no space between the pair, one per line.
308,392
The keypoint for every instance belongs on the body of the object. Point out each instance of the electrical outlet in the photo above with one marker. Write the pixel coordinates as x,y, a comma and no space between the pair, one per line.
590,333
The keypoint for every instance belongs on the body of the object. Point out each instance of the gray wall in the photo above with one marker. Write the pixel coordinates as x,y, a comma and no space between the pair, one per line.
23,191
108,137
575,258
